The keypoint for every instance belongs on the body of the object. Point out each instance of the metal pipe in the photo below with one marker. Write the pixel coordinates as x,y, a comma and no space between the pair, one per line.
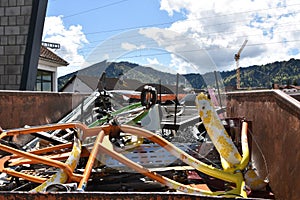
218,88
89,166
207,169
161,179
176,98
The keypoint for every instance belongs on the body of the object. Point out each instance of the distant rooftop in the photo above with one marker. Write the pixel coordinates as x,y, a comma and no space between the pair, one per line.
47,55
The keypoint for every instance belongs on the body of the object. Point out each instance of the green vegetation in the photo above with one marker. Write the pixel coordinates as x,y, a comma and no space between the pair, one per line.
283,73
263,76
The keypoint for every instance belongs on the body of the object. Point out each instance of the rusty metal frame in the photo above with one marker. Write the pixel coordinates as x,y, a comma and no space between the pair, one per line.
102,133
233,177
33,157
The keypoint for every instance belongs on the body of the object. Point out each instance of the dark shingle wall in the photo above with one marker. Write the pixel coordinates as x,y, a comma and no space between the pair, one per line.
14,26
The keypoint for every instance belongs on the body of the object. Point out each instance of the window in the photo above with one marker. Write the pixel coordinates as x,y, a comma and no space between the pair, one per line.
44,81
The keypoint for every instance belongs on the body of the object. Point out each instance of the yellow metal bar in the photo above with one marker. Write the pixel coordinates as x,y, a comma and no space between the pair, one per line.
245,147
217,133
245,151
63,175
163,180
230,176
207,169
236,178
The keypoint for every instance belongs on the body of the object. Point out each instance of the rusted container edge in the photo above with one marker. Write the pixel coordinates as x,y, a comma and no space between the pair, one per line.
106,195
283,100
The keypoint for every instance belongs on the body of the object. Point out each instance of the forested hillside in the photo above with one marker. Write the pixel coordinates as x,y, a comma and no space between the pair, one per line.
285,72
258,76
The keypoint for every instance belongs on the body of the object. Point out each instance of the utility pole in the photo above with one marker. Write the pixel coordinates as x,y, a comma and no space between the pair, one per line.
238,73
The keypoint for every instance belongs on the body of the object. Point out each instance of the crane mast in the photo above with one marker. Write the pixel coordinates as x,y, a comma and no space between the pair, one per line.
237,57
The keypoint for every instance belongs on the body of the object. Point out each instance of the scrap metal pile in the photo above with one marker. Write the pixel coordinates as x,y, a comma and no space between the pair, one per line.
128,150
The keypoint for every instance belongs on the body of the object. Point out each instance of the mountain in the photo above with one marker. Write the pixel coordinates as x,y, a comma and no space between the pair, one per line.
284,72
126,70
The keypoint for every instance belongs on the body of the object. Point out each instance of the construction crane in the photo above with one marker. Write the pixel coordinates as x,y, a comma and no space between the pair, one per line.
237,57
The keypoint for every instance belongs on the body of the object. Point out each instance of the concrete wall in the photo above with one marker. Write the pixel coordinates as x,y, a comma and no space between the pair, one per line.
34,108
275,120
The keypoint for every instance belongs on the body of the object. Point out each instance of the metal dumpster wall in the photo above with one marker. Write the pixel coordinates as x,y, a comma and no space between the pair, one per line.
275,120
108,195
34,108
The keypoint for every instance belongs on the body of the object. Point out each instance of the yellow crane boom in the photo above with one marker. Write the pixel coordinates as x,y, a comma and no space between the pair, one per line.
237,57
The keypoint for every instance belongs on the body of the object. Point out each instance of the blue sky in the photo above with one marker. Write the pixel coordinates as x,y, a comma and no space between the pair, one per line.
100,18
215,29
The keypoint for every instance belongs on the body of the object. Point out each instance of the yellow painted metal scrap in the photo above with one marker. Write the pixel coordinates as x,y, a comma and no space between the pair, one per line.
232,161
61,176
233,177
230,156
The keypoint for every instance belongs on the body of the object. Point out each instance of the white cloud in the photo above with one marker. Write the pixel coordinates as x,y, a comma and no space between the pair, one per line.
129,46
217,28
181,66
153,61
221,26
71,40
158,65
182,46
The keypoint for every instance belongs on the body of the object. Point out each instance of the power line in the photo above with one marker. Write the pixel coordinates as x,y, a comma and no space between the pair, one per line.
203,18
160,24
171,22
200,49
93,9
222,33
172,41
